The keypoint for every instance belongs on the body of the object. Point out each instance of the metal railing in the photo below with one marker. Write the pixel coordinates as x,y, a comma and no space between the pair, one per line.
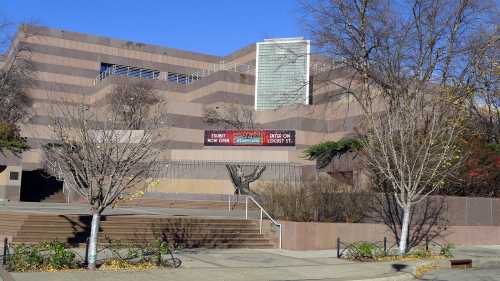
262,212
127,71
179,78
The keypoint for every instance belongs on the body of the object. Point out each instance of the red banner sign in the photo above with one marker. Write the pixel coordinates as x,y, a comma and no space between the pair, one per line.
249,138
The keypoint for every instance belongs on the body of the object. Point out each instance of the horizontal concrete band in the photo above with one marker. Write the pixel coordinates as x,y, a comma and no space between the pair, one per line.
69,89
219,96
215,97
221,76
66,70
296,123
99,57
176,135
210,98
83,91
225,97
37,143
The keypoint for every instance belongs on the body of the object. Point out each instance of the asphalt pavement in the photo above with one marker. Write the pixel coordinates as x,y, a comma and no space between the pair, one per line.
477,274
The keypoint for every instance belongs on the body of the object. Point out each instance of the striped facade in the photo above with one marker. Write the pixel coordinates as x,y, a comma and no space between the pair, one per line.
66,66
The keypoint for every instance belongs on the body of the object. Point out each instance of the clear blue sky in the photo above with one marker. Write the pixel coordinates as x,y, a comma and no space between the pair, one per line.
216,27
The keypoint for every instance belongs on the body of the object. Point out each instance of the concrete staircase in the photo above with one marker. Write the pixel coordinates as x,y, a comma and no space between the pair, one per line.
57,197
186,232
186,204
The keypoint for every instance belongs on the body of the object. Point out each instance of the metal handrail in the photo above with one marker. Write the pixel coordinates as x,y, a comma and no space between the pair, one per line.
120,70
262,211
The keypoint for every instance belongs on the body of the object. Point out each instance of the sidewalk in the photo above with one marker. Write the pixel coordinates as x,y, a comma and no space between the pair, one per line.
485,263
268,264
243,265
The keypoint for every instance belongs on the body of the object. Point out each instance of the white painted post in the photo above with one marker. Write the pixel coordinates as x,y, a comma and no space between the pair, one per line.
229,203
281,231
246,208
260,227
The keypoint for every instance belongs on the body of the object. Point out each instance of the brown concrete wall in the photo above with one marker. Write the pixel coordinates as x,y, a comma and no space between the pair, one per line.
470,211
322,236
10,189
471,221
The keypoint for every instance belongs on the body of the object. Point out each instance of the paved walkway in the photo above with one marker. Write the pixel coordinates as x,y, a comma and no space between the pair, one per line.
463,275
243,265
485,262
274,264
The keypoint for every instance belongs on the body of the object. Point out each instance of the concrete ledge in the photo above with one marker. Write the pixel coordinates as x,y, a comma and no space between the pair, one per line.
389,277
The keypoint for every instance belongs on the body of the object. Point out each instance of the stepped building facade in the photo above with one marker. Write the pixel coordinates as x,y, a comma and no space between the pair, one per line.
293,96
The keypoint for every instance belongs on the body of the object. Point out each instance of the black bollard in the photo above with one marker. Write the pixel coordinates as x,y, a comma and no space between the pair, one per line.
87,252
385,246
5,250
338,247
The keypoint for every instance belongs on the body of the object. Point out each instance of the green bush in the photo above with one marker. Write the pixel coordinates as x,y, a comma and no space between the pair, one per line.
364,251
25,258
421,253
57,256
447,250
42,256
11,139
153,252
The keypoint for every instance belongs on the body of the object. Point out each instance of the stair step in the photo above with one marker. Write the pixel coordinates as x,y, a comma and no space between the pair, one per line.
208,246
142,234
128,220
57,197
155,227
192,232
139,230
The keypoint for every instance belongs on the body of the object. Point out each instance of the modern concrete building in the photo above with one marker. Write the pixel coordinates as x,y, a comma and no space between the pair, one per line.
72,67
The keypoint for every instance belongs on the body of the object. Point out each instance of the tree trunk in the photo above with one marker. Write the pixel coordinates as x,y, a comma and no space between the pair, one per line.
404,230
244,188
94,233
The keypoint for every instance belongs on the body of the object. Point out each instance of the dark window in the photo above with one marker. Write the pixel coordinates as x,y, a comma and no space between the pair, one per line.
108,69
14,176
105,66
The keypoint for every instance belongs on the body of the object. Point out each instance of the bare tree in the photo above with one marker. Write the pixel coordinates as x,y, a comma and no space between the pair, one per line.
427,218
235,116
242,180
15,79
132,99
230,116
411,62
15,76
100,158
485,103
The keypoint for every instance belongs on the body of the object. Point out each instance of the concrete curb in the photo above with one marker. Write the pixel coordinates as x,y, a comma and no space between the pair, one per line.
486,262
397,277
408,273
